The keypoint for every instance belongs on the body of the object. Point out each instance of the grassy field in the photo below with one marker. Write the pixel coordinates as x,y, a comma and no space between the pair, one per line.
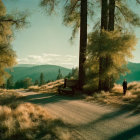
26,121
116,97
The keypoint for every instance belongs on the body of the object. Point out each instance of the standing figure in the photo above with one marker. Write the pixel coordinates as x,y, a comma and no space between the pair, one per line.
124,86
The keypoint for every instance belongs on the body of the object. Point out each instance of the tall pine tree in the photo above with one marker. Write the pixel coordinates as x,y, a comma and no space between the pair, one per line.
42,80
59,76
83,43
10,83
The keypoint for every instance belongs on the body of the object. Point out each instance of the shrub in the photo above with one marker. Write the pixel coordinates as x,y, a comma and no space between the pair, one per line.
26,121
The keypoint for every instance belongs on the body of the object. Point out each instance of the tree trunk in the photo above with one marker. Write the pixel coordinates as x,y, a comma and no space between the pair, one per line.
104,14
111,22
83,42
104,25
111,15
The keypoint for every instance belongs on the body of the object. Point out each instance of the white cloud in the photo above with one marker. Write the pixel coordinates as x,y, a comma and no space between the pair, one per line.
54,59
51,55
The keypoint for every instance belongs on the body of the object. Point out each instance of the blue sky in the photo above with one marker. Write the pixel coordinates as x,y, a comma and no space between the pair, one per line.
46,39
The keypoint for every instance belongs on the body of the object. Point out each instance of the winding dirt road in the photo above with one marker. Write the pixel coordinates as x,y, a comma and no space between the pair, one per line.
90,121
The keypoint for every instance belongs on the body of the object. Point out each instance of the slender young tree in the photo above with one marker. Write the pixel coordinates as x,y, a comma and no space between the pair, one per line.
42,81
10,83
59,76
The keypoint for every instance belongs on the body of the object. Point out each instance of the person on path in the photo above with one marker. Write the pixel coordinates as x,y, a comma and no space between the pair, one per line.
124,86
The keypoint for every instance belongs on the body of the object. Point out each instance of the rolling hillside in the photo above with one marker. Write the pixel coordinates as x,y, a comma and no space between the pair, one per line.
50,72
22,71
134,74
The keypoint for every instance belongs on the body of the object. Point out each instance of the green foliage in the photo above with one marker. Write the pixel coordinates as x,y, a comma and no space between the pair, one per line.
27,82
59,76
7,54
71,15
118,45
68,76
19,84
50,72
36,82
23,83
125,14
10,83
49,5
42,81
7,59
73,74
138,1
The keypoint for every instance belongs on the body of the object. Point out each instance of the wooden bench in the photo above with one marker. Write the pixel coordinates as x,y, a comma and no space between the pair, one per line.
69,86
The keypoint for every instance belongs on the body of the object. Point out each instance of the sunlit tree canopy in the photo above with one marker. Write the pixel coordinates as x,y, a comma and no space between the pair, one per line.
119,45
7,24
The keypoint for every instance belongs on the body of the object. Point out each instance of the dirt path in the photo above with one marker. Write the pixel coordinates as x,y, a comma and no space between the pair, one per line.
90,121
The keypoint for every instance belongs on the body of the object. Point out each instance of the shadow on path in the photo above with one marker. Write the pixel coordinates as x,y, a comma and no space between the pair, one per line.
122,135
128,134
45,98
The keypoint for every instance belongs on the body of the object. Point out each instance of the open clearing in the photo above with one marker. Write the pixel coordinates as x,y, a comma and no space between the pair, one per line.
90,121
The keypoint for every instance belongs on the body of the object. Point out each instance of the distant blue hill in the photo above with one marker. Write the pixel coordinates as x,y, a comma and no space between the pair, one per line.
25,65
50,72
134,74
22,71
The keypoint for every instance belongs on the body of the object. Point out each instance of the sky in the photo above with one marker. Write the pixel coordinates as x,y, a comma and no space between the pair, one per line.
46,40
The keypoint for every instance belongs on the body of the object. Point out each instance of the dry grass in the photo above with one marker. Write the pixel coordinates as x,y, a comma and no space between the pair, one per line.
10,98
51,87
34,88
26,121
116,96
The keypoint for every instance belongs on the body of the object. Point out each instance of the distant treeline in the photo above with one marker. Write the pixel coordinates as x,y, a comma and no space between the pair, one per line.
27,82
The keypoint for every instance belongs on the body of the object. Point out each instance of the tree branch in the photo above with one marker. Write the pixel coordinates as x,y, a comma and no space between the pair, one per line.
73,7
138,1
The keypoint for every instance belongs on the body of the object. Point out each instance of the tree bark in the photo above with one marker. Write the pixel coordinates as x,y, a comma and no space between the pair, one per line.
111,15
104,25
111,23
104,14
83,42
